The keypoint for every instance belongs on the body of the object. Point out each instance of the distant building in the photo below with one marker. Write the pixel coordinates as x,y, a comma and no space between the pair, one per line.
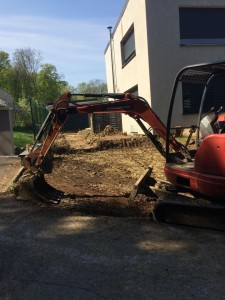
6,121
153,40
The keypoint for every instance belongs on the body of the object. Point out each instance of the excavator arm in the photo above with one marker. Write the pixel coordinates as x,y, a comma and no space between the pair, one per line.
136,107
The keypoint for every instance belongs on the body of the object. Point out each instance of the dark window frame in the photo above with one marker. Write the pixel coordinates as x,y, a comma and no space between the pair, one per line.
126,38
202,26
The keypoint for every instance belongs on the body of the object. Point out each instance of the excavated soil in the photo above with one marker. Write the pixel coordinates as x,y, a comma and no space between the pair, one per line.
98,172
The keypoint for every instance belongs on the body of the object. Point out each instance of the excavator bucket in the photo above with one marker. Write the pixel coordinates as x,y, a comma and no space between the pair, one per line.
35,186
45,191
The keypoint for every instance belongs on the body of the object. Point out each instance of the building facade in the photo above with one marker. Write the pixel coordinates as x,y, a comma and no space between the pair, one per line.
153,40
6,124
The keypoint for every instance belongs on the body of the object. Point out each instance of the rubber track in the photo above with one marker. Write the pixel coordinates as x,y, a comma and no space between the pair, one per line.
182,210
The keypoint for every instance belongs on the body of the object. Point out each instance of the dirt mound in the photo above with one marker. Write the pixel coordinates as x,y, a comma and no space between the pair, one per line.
87,141
109,130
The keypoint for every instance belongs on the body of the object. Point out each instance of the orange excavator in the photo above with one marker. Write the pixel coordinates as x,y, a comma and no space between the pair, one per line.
194,193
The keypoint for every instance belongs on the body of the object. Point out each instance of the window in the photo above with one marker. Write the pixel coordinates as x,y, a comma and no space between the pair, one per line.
202,26
128,46
192,96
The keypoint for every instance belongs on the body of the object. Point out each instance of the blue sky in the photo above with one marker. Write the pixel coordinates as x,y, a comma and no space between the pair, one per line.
71,34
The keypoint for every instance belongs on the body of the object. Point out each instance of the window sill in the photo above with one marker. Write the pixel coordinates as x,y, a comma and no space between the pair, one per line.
128,60
202,42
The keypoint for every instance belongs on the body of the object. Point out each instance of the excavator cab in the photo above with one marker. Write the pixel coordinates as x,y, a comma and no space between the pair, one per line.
203,88
199,177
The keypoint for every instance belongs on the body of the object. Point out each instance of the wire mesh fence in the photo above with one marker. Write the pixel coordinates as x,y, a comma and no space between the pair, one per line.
38,113
75,123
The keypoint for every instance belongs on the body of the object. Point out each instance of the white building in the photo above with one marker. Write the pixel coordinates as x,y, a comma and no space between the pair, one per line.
153,40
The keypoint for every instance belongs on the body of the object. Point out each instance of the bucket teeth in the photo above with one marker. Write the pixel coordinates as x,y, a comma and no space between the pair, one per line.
45,191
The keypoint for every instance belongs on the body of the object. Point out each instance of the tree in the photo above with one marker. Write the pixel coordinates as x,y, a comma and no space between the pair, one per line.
92,86
4,60
50,84
22,112
26,79
5,69
26,63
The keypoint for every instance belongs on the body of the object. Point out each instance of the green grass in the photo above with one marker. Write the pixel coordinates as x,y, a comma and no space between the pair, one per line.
182,139
22,137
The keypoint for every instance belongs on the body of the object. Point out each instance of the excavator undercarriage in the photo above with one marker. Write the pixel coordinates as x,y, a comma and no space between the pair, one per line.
194,193
176,206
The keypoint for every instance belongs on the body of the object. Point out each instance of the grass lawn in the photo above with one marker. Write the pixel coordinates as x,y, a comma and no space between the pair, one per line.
22,137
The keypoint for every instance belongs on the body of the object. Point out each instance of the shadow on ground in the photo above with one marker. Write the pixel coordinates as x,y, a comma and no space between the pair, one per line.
61,254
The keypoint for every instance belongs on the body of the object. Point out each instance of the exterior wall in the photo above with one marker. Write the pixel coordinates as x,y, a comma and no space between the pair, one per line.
6,127
166,55
137,70
6,138
159,55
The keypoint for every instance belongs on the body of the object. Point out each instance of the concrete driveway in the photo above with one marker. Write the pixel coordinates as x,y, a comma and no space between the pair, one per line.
47,253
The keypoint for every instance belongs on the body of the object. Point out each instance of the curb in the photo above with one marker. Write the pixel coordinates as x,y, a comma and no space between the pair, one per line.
14,179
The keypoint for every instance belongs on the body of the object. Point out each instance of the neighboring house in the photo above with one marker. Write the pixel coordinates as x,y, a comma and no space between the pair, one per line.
6,128
153,40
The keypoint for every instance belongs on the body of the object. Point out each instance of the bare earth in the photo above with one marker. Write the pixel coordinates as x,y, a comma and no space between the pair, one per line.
100,171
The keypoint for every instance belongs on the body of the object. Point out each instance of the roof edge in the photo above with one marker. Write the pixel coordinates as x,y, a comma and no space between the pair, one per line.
117,23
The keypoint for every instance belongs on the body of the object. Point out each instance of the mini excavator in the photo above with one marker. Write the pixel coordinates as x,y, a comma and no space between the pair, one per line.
194,193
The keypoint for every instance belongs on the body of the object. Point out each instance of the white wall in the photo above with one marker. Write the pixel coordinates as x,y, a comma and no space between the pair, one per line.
159,55
167,57
137,70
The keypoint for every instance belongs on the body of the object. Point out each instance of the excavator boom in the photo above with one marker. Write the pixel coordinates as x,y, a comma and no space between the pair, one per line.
136,107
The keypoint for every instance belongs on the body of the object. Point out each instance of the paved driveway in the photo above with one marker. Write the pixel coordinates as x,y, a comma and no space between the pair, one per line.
53,254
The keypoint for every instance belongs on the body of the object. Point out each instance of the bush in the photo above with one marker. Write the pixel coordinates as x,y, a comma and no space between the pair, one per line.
23,113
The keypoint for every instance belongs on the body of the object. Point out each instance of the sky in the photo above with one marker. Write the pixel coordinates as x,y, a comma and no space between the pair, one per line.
71,34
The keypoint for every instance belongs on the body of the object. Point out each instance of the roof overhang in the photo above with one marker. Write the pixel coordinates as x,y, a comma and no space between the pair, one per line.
200,74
